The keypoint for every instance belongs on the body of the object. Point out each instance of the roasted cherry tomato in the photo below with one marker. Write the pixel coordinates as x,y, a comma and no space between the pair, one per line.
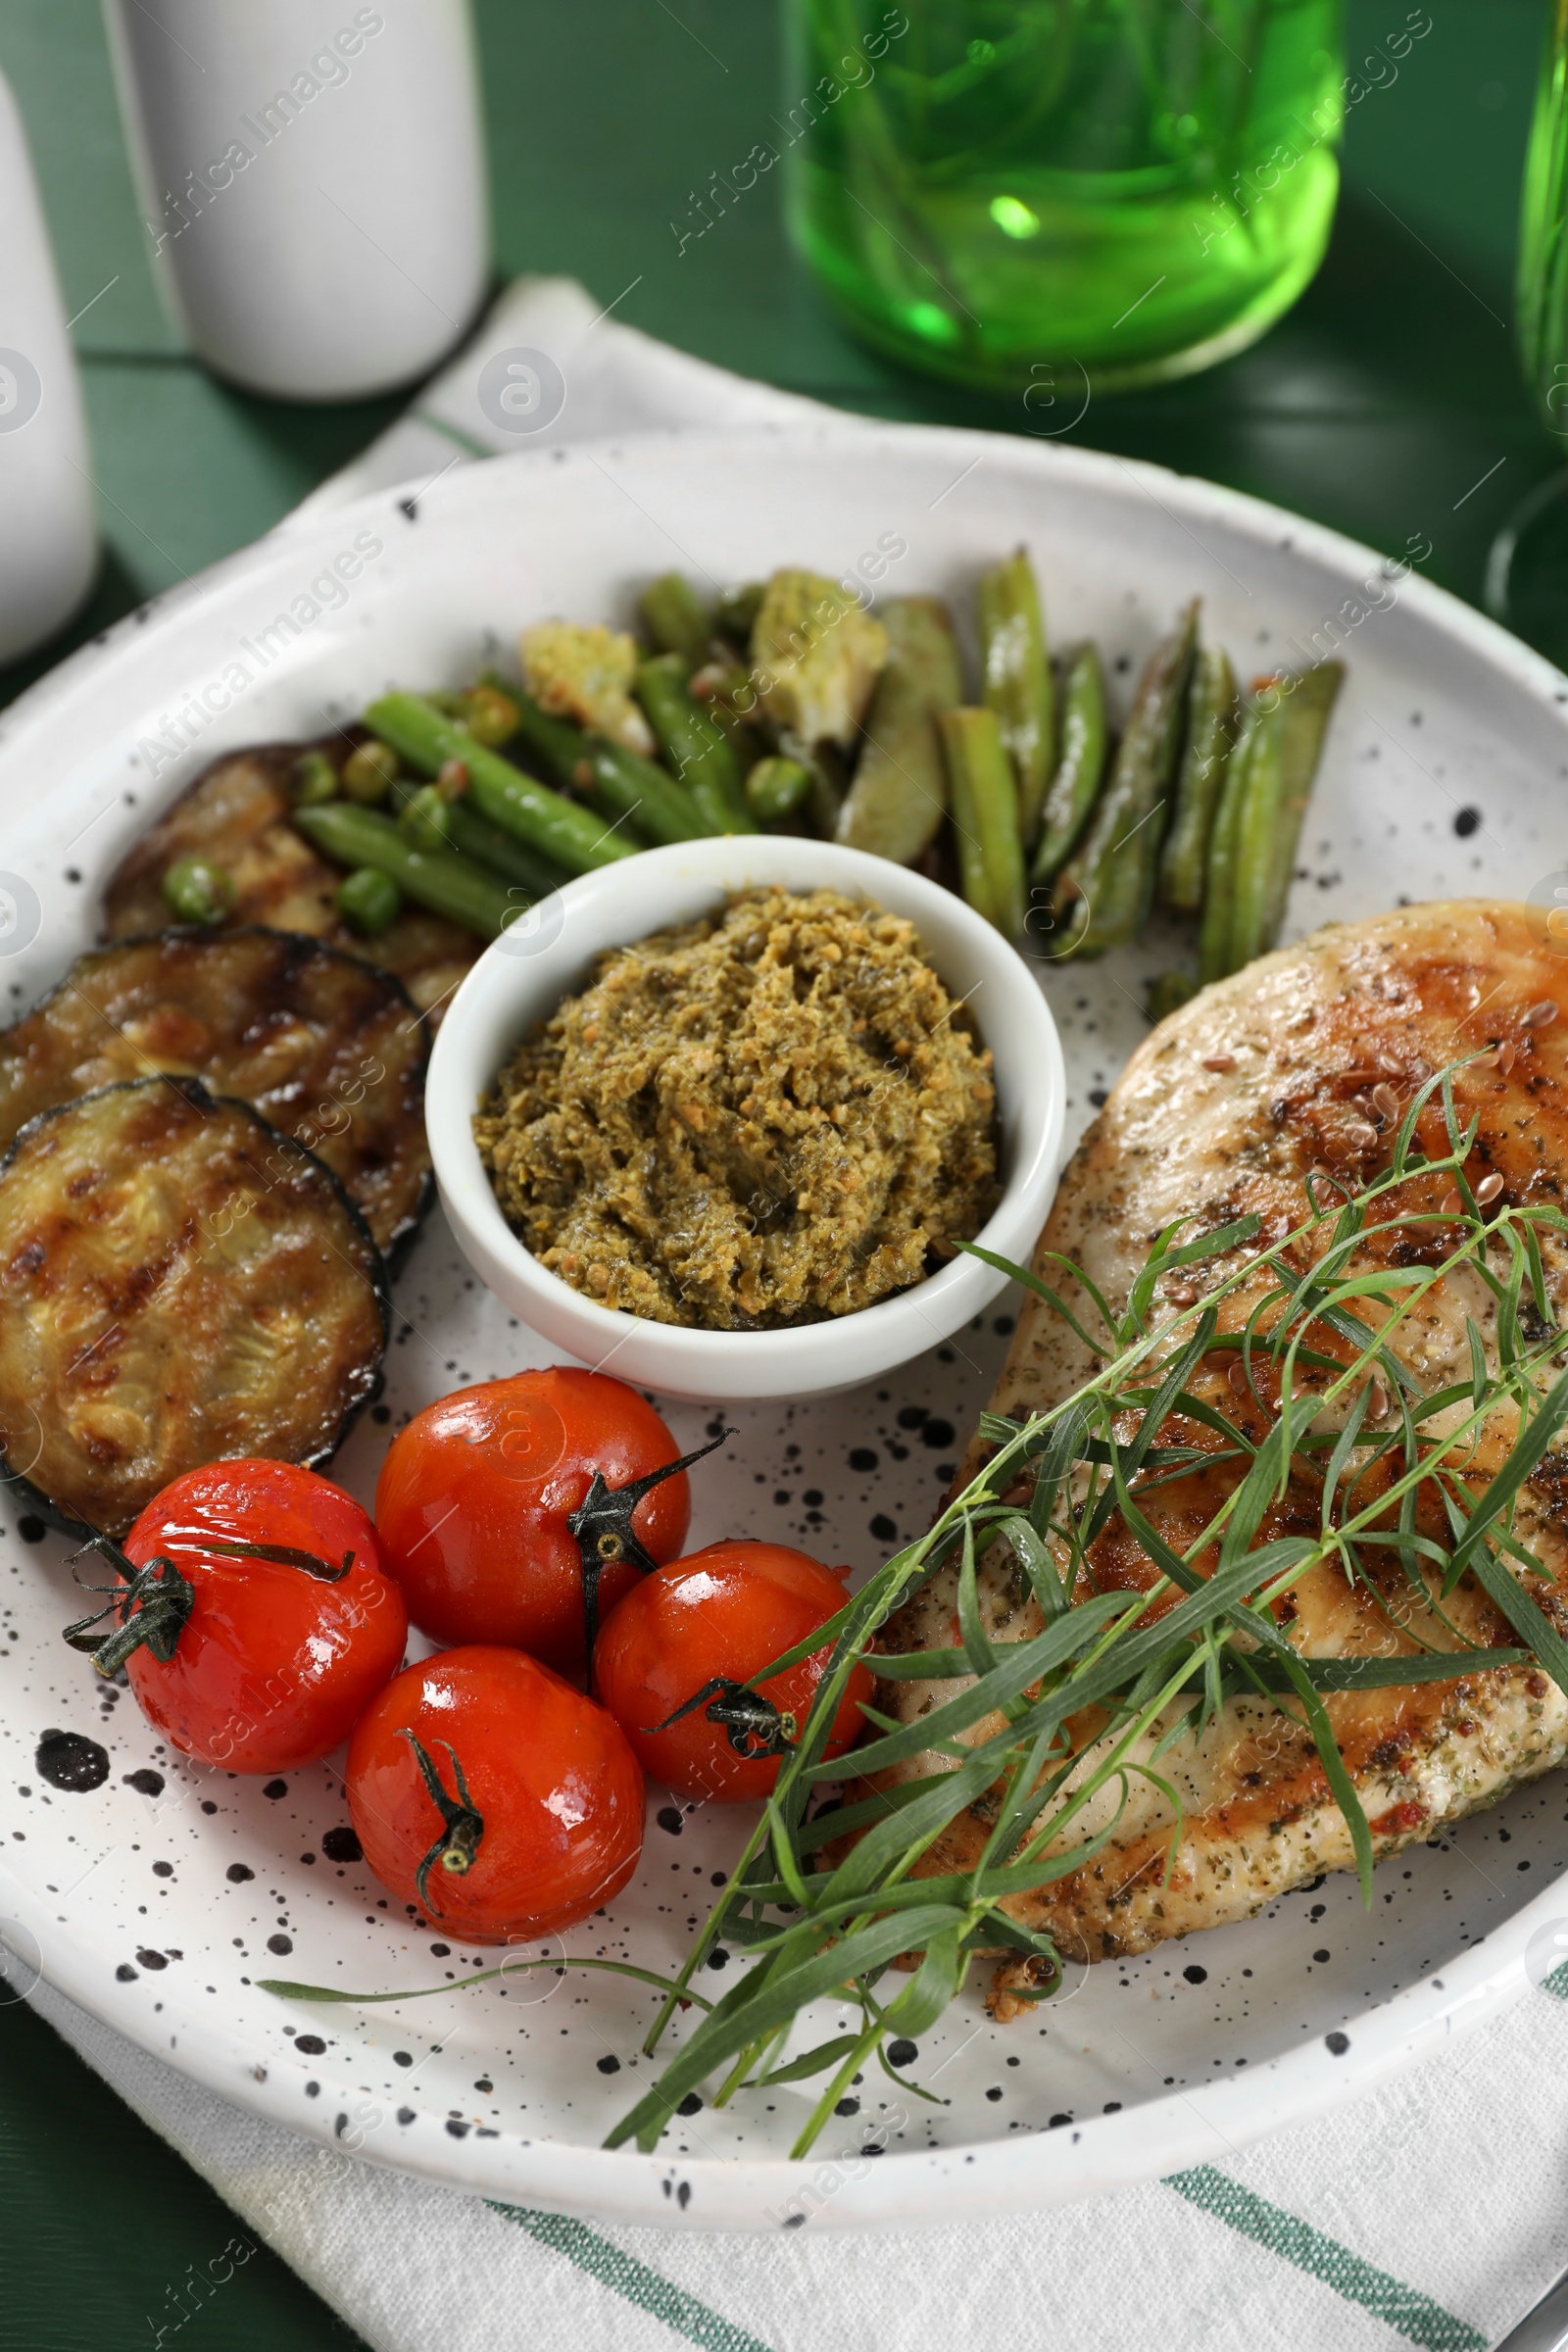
674,1662
477,1496
260,1622
489,1791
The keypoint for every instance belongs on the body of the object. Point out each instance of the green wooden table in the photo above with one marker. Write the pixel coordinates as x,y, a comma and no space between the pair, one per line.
1387,403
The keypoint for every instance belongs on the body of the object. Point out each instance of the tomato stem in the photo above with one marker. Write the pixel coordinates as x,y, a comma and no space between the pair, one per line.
601,1525
749,1720
282,1555
153,1607
461,1823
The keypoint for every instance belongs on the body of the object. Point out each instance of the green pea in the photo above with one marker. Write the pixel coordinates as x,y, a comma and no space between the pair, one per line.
197,891
490,716
313,780
425,818
367,899
776,788
370,773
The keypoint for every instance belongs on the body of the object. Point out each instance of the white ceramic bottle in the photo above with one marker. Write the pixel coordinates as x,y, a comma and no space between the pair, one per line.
48,536
312,178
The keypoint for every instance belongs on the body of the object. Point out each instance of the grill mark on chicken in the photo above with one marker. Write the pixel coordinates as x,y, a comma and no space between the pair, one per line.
1304,1061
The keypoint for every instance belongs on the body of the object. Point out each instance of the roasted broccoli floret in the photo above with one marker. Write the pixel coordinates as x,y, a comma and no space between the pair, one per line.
818,656
586,674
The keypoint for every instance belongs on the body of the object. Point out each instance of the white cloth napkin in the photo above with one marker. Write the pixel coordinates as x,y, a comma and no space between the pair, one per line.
1434,2211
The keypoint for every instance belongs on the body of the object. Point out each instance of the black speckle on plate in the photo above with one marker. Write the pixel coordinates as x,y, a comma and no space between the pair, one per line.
282,1946
68,1760
238,1872
153,1960
311,2044
610,2065
690,2104
150,1783
1337,2044
862,1458
1196,1974
668,1818
342,1846
1466,822
902,2052
276,1789
937,1434
883,1528
125,1973
31,1529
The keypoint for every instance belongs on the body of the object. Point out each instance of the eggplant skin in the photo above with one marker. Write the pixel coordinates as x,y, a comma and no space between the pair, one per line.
324,1047
179,1284
236,813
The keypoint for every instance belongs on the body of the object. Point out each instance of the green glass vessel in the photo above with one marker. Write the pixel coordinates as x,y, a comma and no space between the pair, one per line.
1008,194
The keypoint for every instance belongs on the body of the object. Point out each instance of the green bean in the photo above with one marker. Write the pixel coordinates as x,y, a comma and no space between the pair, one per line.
438,879
1307,706
984,816
1211,720
574,838
312,779
556,742
492,846
638,793
695,745
197,891
1259,812
367,899
1017,682
675,617
1080,768
1219,866
1113,869
899,792
629,787
370,772
776,788
489,846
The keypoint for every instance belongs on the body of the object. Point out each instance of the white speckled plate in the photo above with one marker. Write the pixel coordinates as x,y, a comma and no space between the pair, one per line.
155,1898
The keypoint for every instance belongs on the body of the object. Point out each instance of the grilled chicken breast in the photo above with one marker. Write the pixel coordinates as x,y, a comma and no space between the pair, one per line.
1305,1060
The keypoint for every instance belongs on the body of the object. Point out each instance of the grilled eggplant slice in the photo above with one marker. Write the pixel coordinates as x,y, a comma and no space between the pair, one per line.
237,816
179,1284
322,1045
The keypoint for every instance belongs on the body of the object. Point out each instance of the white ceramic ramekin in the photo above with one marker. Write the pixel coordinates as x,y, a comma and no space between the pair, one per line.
550,953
